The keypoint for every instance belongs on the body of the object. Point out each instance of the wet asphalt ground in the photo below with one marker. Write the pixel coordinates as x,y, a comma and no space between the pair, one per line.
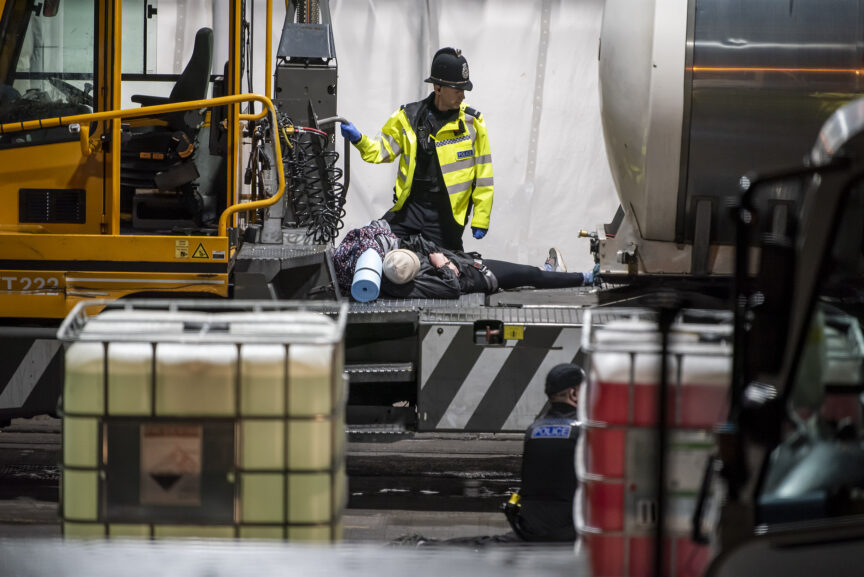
437,486
408,494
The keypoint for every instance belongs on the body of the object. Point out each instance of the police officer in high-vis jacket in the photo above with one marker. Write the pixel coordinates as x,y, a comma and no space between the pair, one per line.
445,164
542,510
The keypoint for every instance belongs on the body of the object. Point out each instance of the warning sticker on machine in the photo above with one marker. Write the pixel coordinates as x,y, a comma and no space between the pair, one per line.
514,332
181,248
200,252
170,465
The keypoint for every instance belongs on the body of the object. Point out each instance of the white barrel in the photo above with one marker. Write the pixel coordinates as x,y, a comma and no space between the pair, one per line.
367,276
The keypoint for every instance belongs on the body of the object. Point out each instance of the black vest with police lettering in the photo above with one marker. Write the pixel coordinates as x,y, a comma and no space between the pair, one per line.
549,474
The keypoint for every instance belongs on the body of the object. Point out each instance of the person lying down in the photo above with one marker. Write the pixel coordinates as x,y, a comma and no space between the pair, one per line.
420,269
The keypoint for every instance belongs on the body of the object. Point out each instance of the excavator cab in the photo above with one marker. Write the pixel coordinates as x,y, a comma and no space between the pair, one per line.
136,157
48,69
45,69
162,158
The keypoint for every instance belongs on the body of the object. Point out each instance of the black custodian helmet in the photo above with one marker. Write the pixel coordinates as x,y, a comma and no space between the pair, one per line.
449,68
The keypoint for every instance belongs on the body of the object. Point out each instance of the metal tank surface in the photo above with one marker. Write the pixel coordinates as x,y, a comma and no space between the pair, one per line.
694,96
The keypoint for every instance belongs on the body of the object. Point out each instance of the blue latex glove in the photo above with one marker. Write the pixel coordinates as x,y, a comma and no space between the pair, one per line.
350,132
478,232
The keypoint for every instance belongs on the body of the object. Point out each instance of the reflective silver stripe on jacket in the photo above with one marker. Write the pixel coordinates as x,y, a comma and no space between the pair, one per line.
485,159
402,176
472,132
458,165
385,154
485,181
393,144
457,188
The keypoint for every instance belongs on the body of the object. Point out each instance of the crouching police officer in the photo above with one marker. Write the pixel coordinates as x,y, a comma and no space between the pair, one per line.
542,510
445,163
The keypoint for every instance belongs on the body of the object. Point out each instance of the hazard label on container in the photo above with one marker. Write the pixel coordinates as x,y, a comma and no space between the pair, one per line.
200,252
181,248
170,465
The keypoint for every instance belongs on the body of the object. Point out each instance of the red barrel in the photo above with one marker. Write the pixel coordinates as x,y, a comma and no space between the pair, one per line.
616,508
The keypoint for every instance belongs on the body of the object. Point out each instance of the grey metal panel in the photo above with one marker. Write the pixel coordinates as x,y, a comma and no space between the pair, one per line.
766,74
515,315
384,305
295,86
578,296
278,252
380,372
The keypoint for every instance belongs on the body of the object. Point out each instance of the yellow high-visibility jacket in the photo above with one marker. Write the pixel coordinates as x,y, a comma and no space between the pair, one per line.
462,147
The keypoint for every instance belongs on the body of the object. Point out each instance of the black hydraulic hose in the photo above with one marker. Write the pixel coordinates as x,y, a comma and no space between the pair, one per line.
316,182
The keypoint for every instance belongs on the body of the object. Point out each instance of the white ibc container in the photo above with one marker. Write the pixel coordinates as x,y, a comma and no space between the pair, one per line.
84,386
129,364
310,374
299,322
251,404
137,322
195,379
130,376
262,380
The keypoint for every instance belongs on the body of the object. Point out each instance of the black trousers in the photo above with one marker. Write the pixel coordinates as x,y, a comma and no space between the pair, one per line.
511,275
544,522
432,218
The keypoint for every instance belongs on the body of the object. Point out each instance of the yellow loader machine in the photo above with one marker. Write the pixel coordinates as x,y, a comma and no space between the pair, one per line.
134,163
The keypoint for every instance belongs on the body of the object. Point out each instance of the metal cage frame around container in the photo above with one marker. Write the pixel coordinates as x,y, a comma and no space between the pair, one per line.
89,451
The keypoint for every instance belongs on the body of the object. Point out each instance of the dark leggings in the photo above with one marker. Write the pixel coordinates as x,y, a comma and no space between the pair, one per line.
511,275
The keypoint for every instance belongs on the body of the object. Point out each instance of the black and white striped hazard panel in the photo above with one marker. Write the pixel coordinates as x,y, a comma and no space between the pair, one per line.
466,386
31,376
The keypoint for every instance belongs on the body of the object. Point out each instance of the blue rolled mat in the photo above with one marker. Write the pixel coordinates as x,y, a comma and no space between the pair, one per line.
367,277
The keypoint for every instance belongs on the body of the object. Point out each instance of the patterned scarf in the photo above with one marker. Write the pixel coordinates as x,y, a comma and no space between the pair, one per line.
355,243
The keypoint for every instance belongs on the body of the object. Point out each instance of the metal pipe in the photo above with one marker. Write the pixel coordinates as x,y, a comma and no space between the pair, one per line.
268,58
347,154
29,332
332,120
666,317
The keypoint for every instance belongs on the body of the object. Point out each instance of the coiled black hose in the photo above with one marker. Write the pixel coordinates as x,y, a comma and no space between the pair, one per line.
315,182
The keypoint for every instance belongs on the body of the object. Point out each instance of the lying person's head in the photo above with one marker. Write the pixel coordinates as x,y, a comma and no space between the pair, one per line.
401,266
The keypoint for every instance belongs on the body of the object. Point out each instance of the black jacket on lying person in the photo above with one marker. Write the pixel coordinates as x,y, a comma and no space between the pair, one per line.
437,283
476,275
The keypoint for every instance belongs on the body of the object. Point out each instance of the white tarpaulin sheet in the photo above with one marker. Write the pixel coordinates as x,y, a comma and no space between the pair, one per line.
534,68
